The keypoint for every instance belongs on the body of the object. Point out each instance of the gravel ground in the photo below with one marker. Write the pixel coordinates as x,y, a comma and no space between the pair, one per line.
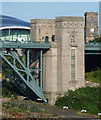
54,110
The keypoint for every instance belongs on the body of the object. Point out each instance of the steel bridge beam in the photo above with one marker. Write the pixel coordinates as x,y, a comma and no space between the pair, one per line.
27,45
41,61
29,82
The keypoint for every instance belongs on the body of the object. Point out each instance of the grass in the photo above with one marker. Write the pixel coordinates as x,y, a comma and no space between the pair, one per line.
94,76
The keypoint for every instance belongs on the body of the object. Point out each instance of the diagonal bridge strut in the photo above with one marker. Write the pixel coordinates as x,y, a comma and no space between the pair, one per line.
21,75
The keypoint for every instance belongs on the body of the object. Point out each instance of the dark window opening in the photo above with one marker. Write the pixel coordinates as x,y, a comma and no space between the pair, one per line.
53,38
46,39
42,38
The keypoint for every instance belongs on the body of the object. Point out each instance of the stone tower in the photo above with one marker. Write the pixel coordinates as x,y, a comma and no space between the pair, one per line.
91,26
70,53
63,63
42,28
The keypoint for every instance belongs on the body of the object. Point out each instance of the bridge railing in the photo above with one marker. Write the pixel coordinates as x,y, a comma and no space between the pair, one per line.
92,43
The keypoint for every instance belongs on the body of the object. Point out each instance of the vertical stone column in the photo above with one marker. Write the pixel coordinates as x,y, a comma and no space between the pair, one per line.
69,33
50,74
91,26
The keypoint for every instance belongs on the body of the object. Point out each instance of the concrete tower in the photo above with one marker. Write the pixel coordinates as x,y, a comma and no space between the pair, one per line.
63,64
91,26
70,53
41,29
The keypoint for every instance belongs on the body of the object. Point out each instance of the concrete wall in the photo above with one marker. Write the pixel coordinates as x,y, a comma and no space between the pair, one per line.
65,28
50,74
40,28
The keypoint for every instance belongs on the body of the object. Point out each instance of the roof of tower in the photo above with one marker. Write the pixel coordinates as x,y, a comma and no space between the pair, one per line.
87,13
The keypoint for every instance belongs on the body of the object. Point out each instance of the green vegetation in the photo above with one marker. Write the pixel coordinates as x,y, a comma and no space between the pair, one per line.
97,40
8,89
82,98
94,76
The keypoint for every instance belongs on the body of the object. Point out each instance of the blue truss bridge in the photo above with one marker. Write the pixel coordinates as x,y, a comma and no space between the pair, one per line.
92,48
21,74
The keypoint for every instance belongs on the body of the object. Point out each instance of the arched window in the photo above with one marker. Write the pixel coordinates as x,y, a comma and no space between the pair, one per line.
72,38
46,39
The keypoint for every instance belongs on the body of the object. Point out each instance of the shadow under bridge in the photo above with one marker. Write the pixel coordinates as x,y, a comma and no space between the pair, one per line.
24,73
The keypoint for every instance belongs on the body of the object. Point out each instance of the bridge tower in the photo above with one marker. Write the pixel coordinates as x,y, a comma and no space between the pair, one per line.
63,64
91,26
70,53
44,30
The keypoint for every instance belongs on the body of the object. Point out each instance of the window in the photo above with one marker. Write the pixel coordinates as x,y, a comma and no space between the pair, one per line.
72,64
53,38
46,39
42,38
72,57
73,38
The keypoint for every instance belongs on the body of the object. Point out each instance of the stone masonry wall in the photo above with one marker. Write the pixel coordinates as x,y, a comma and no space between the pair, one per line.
40,28
66,28
63,64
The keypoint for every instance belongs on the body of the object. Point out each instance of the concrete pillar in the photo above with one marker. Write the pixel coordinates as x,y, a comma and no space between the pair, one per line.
50,74
63,63
69,32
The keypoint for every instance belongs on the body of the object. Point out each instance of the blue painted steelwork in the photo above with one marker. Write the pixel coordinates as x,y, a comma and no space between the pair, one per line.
15,82
93,53
41,69
19,45
24,83
27,63
27,84
92,48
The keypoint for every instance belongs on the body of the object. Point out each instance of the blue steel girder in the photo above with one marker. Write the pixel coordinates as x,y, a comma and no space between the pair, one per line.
93,49
19,45
19,84
15,82
30,83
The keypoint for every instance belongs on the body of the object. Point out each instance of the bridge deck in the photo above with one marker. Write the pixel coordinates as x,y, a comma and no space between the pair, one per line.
90,48
19,45
93,47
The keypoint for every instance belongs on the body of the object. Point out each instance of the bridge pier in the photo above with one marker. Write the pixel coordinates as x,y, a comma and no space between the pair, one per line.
63,63
50,74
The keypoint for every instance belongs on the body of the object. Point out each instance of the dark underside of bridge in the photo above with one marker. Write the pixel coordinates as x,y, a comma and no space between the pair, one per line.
92,62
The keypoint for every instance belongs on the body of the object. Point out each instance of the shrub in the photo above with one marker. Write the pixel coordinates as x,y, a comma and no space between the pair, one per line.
82,98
